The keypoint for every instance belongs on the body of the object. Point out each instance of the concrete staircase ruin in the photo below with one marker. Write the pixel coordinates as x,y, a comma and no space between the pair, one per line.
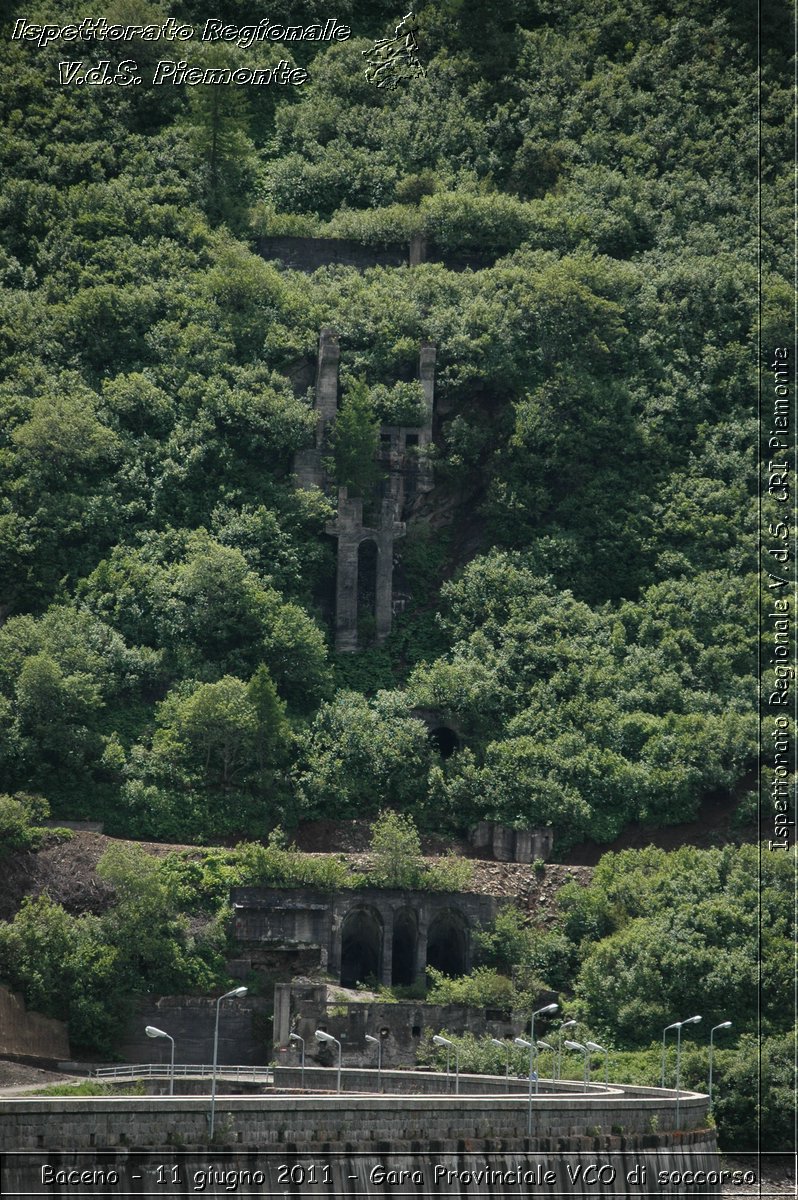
365,547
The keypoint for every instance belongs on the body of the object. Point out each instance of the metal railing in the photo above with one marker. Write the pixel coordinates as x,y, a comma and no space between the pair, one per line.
182,1070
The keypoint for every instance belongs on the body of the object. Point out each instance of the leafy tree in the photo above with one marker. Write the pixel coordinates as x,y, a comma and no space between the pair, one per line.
396,851
354,442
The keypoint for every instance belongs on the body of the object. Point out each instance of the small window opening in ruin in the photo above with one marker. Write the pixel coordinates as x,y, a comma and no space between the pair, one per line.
416,1031
444,740
411,440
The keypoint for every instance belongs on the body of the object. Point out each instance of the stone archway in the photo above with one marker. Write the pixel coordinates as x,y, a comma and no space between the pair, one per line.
447,943
361,947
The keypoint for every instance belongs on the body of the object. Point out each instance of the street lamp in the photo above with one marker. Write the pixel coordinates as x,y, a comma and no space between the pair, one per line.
689,1021
547,1008
321,1036
442,1041
294,1037
151,1032
723,1025
378,1043
583,1050
596,1049
565,1025
519,1041
675,1025
541,1045
234,994
506,1047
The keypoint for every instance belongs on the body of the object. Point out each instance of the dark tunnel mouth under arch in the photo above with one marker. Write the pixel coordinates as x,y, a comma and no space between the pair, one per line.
445,740
405,941
447,947
361,948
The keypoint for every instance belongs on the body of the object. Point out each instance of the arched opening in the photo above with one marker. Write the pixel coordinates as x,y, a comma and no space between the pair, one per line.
361,948
405,938
444,740
366,591
447,944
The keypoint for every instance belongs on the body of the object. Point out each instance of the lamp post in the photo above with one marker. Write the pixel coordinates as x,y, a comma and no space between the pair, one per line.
664,1032
594,1048
378,1043
723,1025
321,1036
442,1041
541,1045
519,1041
151,1032
233,994
583,1050
506,1047
689,1021
294,1037
547,1008
565,1025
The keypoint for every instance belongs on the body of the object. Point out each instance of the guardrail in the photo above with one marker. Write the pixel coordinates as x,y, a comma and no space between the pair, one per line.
183,1070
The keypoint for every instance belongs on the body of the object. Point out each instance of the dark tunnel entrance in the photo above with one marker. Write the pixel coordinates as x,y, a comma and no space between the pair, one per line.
444,740
361,948
405,938
446,944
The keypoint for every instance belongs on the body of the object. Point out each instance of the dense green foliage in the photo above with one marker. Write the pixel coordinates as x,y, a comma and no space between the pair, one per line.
656,937
159,567
582,579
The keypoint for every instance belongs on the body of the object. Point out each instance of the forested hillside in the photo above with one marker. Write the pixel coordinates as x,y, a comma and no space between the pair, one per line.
583,574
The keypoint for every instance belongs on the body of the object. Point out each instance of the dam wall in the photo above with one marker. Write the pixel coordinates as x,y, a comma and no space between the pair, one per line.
571,1141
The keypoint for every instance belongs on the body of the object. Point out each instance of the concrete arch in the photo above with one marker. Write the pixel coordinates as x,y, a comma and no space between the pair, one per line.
361,946
448,942
405,947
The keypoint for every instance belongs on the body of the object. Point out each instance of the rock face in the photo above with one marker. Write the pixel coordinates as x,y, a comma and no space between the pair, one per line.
365,567
29,1035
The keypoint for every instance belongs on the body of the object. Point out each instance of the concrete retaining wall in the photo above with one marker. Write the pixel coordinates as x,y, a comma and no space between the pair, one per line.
616,1167
270,1121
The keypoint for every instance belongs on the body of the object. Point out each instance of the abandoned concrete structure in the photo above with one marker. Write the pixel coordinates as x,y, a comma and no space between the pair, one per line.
365,556
401,1026
387,935
489,839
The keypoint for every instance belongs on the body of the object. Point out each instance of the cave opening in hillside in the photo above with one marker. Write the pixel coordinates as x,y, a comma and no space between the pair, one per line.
444,740
361,948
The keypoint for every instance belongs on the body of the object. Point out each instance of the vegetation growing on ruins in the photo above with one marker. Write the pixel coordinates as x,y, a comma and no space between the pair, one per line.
582,577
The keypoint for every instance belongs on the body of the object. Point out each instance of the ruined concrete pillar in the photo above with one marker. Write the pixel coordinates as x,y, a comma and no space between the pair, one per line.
282,1013
326,383
383,609
417,249
386,966
426,373
421,949
346,594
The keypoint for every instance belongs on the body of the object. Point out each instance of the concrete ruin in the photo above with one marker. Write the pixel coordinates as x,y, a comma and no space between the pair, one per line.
365,554
386,935
489,839
400,1026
